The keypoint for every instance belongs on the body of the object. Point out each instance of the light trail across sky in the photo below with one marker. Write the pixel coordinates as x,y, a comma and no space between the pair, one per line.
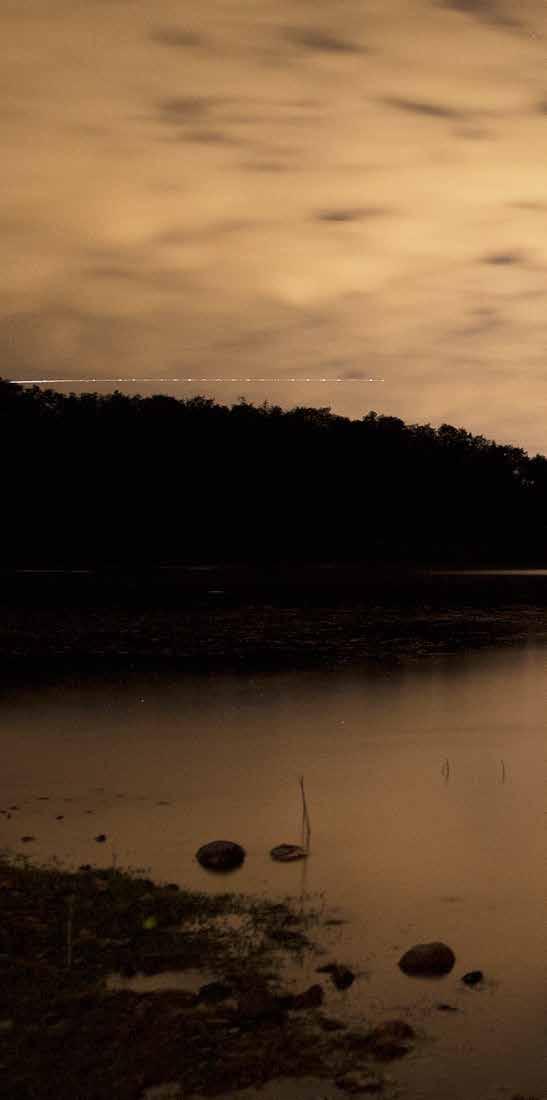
183,381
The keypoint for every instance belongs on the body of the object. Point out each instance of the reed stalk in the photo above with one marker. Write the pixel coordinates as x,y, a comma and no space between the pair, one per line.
306,826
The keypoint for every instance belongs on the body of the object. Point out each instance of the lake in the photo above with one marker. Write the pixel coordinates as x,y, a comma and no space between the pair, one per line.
426,786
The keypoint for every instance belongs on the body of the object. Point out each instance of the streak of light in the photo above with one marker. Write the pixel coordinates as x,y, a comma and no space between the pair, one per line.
183,381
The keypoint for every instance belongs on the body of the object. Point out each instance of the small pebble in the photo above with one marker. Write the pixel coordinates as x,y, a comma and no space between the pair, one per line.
473,977
100,838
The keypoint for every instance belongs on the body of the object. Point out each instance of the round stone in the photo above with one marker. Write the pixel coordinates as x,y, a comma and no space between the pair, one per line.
221,855
428,959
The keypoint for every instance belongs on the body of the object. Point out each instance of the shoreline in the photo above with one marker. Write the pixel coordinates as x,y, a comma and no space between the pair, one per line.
232,619
64,1032
49,646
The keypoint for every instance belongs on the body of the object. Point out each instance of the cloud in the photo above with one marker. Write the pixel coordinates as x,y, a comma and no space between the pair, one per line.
502,258
487,11
528,204
267,166
211,137
473,133
311,38
481,321
355,375
160,279
175,37
423,107
212,231
352,215
181,110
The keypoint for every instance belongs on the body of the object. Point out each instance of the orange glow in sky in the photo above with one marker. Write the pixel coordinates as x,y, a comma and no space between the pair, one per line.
329,189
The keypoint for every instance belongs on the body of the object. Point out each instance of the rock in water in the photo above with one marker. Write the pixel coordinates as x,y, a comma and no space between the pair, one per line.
341,975
221,855
388,1040
428,959
473,977
287,853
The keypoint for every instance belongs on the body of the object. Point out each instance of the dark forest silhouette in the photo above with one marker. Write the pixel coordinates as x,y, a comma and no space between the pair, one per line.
106,479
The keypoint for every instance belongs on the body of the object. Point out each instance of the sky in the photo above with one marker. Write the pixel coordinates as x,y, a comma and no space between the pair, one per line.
285,189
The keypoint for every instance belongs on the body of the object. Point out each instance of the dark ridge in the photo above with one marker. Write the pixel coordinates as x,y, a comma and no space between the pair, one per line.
116,480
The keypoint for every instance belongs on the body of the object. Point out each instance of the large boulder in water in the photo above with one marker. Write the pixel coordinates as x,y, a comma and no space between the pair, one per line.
221,855
428,959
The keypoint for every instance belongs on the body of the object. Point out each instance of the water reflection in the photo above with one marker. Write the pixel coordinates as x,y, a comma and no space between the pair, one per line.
426,792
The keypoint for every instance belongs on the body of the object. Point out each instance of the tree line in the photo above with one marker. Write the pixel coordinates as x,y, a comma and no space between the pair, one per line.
91,478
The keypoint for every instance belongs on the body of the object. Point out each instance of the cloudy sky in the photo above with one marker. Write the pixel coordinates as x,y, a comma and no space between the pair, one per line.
282,188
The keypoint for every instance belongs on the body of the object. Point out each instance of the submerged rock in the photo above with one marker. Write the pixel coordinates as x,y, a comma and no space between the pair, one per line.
341,975
287,853
393,1029
428,959
220,855
387,1040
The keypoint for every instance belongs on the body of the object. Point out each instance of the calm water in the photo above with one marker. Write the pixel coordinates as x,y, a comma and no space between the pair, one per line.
404,847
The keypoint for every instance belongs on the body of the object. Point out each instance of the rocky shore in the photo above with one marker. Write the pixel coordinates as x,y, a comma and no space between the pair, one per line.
67,1030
